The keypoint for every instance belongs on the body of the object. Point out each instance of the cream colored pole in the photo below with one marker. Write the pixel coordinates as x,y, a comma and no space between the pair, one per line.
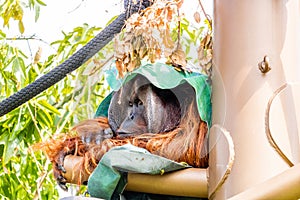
283,186
191,182
244,32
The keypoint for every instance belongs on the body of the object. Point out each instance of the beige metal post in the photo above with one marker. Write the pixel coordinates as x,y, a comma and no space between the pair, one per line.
244,32
191,182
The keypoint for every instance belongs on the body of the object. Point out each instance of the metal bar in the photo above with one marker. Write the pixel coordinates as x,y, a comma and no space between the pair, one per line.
191,182
285,185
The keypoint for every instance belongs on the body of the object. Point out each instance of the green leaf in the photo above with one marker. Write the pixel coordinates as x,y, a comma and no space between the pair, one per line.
8,123
31,3
21,27
37,12
9,147
44,118
46,105
2,34
23,54
111,20
18,64
41,2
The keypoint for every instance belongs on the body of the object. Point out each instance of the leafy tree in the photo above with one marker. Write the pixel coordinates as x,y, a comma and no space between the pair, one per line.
25,174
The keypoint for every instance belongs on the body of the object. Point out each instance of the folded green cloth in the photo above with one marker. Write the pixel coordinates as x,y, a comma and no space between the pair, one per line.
127,158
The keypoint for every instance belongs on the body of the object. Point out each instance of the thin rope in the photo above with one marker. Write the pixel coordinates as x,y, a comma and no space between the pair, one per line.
229,164
267,127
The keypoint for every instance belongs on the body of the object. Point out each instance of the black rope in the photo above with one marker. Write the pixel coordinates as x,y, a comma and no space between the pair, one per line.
74,62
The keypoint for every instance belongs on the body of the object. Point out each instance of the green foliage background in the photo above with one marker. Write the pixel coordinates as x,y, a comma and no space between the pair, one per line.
25,174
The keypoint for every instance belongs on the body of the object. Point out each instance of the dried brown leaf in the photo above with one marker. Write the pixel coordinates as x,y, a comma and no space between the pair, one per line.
119,66
204,56
133,64
169,14
178,58
38,55
148,35
197,17
206,42
158,11
179,3
167,40
142,52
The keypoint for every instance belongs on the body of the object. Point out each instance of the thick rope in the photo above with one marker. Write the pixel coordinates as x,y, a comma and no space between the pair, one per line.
74,62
